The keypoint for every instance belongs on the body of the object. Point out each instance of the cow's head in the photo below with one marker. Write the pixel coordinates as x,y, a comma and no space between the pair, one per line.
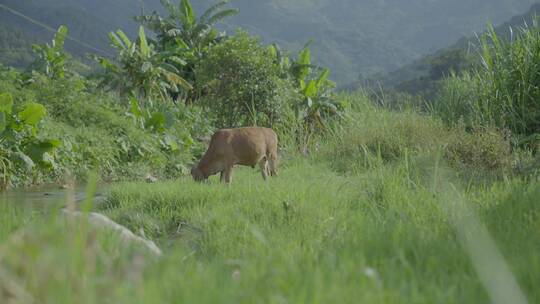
197,174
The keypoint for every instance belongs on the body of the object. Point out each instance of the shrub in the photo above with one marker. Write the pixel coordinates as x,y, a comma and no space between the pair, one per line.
97,133
241,85
370,136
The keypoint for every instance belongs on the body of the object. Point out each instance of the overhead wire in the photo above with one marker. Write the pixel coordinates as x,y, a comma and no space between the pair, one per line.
49,28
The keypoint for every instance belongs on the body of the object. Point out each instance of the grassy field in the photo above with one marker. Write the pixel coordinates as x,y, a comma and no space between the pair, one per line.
388,209
394,200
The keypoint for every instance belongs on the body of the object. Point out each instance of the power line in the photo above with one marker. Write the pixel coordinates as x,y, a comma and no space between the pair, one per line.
45,26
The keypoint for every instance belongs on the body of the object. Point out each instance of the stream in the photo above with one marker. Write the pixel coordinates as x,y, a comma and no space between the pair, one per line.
48,195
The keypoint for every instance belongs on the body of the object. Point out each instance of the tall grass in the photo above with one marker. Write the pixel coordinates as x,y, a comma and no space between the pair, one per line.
503,91
370,136
363,218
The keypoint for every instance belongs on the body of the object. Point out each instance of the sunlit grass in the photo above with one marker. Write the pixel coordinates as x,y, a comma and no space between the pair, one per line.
362,219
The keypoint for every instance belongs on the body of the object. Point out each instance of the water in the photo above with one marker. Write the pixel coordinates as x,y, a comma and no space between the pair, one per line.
47,195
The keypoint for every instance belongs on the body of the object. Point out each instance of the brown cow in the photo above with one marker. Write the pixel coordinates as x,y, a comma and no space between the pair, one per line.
242,146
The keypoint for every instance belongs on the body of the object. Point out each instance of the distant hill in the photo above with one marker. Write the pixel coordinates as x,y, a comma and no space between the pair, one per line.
88,21
364,37
351,37
421,75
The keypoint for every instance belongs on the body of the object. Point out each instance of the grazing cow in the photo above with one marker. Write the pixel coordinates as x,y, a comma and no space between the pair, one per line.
242,146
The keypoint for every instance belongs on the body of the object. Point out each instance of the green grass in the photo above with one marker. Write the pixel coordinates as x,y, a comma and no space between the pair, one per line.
309,236
366,218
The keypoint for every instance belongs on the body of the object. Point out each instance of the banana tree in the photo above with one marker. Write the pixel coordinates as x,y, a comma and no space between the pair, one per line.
318,101
51,59
190,37
20,148
182,27
141,70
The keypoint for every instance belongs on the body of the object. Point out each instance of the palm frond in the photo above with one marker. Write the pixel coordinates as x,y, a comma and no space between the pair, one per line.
221,15
204,17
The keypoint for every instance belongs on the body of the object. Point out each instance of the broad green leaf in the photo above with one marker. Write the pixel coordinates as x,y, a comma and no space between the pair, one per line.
187,12
204,17
6,103
323,77
304,58
170,68
311,89
177,60
127,42
181,43
222,15
115,41
273,51
54,143
145,49
60,38
33,113
41,152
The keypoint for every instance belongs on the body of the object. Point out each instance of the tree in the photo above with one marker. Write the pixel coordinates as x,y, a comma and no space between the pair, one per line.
140,69
189,36
51,59
182,26
316,100
242,84
19,142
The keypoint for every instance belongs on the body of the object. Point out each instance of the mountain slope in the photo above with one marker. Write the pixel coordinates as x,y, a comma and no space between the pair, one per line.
421,75
366,37
352,37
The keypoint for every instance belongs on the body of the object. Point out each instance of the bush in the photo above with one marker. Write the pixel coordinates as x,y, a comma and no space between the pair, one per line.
484,148
370,136
97,133
241,84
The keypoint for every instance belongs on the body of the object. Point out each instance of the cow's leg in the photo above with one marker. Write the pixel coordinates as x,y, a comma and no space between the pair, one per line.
222,176
227,174
272,163
263,164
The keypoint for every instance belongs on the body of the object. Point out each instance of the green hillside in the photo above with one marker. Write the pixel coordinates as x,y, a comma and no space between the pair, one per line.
366,37
422,74
351,37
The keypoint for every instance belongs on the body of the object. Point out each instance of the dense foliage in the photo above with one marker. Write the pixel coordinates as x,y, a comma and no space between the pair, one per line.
148,121
85,129
142,70
21,150
242,85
